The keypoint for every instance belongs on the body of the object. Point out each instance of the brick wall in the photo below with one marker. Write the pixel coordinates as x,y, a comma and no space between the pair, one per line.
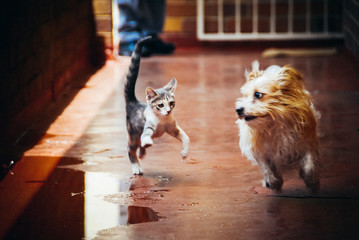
180,22
351,26
43,45
103,20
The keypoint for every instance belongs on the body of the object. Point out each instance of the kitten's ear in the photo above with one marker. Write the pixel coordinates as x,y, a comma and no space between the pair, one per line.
171,86
150,93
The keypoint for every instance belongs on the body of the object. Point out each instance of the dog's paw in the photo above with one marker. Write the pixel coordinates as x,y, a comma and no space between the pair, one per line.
146,142
274,184
265,184
312,182
136,169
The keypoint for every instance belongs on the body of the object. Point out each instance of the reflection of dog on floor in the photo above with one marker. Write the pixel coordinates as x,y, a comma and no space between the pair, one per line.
278,125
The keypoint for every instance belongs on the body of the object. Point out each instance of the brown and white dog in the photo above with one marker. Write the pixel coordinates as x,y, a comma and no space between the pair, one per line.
278,125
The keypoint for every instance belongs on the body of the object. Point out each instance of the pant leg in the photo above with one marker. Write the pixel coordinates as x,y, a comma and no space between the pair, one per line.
140,18
153,14
129,29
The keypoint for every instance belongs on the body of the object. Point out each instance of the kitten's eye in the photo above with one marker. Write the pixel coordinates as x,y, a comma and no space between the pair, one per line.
258,95
160,105
172,104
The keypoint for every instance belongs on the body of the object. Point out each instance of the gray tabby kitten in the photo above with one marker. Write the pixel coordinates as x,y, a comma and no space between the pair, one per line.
151,120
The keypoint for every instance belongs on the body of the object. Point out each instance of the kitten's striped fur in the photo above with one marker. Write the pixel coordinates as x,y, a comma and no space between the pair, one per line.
151,120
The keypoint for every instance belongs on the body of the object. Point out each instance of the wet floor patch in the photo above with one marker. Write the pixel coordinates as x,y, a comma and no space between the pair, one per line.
111,200
192,161
53,212
139,190
80,204
137,214
65,161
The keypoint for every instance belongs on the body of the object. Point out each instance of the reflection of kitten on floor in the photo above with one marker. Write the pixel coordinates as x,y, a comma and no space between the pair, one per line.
151,120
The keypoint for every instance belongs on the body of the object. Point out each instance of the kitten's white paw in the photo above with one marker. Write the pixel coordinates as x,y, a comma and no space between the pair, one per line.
136,169
146,142
185,145
184,153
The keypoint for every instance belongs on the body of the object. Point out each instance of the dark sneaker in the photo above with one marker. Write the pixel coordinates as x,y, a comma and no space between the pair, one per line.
157,46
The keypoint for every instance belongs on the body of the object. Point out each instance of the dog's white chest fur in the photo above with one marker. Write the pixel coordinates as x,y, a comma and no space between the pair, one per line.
245,141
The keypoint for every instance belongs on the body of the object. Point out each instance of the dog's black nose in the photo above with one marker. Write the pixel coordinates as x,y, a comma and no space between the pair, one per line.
240,111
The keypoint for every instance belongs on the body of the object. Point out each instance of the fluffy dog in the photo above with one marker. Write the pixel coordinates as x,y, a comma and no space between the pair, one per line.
278,125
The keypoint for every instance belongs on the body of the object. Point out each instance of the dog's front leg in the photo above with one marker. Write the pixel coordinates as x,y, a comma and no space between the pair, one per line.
309,170
272,177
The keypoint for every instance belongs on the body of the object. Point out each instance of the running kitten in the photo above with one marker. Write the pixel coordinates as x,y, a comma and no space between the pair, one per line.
151,120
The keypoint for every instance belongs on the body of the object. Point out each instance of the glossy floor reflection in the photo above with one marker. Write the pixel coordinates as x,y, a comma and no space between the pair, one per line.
76,182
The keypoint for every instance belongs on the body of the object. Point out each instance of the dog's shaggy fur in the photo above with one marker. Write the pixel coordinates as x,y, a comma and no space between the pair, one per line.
278,125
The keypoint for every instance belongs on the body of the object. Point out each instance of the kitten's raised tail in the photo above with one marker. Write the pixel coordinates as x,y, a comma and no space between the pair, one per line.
133,70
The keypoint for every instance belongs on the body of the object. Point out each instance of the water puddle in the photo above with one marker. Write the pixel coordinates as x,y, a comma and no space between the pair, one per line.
163,179
136,214
111,201
84,203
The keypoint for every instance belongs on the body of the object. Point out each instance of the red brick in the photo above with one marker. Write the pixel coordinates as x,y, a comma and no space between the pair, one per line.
189,25
104,23
4,60
10,83
24,47
230,25
299,7
246,9
299,24
102,6
317,24
246,25
28,69
182,9
229,9
264,9
281,24
317,7
33,88
210,9
211,25
264,24
281,8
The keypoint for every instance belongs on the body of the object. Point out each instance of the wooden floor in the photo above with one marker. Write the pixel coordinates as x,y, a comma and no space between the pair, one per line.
76,181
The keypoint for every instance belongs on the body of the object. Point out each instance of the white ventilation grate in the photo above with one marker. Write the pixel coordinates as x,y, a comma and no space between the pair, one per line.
247,14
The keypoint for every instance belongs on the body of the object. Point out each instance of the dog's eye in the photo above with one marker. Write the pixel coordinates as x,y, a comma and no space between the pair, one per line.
258,95
160,105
